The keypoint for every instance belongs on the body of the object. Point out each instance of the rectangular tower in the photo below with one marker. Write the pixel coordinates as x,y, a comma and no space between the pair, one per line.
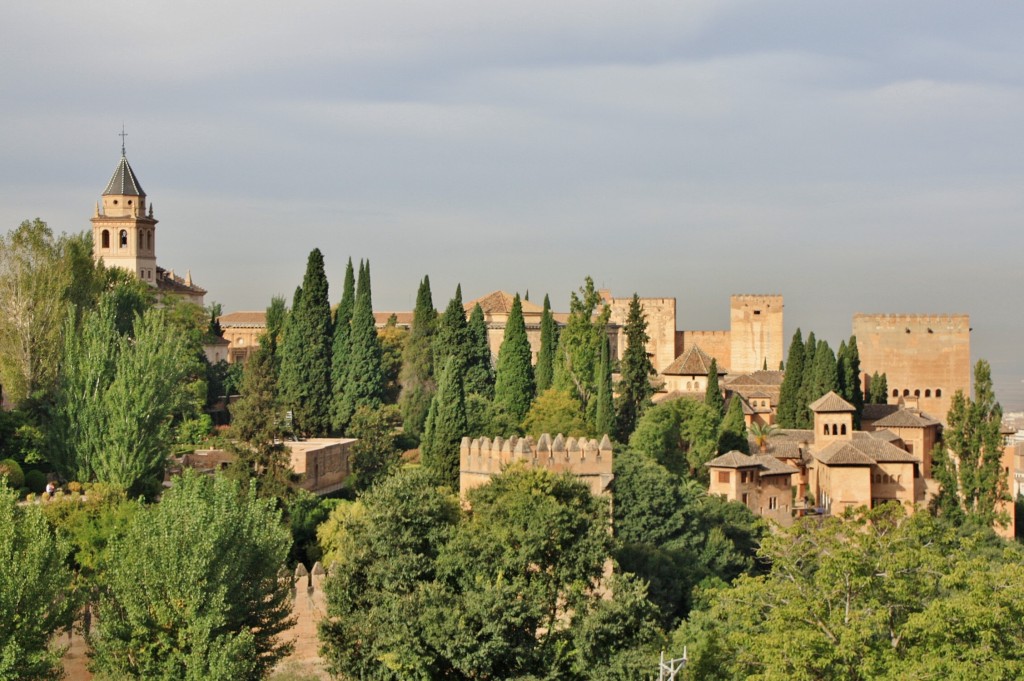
755,333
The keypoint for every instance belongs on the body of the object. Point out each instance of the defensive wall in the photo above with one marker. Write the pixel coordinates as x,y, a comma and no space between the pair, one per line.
718,344
661,327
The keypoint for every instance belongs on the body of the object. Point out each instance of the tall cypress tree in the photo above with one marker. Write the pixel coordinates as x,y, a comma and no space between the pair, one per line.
341,349
604,416
446,426
841,361
417,375
513,383
852,381
789,392
732,434
479,371
635,385
365,384
878,389
713,395
545,369
804,418
826,372
452,336
288,378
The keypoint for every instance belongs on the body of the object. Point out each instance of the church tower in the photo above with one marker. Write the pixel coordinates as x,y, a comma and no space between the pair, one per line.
123,234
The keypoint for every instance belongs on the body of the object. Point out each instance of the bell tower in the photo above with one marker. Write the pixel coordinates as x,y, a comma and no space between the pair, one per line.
123,233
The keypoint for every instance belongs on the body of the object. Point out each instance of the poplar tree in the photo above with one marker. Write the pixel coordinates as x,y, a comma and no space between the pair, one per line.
713,395
341,350
604,416
452,335
417,375
789,393
634,385
479,371
365,384
513,383
548,343
446,426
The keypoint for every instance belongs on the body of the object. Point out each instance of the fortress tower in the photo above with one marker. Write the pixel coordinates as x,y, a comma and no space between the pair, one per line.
123,235
755,332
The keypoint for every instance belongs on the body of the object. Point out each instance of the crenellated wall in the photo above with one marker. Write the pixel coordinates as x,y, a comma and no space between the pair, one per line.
715,343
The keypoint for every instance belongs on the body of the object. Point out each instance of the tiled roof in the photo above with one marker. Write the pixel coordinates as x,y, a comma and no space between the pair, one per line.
873,412
886,435
401,318
760,378
843,454
171,283
252,320
500,302
863,449
905,418
693,362
123,182
733,459
830,402
679,395
772,466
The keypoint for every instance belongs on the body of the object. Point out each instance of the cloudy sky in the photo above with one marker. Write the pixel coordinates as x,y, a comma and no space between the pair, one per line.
852,156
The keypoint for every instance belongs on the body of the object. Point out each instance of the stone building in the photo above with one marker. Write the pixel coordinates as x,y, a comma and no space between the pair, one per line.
760,482
124,235
242,331
688,374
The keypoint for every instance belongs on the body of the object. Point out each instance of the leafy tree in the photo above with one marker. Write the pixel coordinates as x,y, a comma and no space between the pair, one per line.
341,349
277,313
365,384
195,589
513,385
681,435
878,389
446,426
479,367
375,455
452,335
392,341
305,512
35,591
579,345
307,363
545,369
417,375
635,385
713,394
967,463
790,391
732,433
555,411
604,415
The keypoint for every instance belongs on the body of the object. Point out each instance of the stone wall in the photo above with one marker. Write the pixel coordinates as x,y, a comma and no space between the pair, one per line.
718,344
756,332
661,327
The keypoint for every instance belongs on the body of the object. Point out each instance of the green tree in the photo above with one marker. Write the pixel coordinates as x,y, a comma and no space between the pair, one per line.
789,393
375,455
417,376
307,363
713,394
288,379
826,372
195,589
804,418
878,389
604,413
446,426
341,349
579,345
365,384
732,433
967,464
392,343
545,370
479,368
635,388
452,335
36,599
277,313
848,361
681,434
555,411
513,384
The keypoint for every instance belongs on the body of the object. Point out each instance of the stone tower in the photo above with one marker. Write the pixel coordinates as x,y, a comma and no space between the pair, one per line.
755,332
123,234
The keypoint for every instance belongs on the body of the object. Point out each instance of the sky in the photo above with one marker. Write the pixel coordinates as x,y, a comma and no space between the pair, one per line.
851,156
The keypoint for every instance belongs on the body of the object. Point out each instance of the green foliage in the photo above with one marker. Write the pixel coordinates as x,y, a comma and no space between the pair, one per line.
804,418
732,433
35,591
341,349
306,364
35,480
713,394
604,411
446,426
11,473
681,435
365,384
513,385
479,368
21,437
451,338
392,342
878,389
194,589
417,375
194,431
579,345
256,416
761,434
848,361
376,455
545,369
635,388
555,411
967,463
305,512
277,314
790,392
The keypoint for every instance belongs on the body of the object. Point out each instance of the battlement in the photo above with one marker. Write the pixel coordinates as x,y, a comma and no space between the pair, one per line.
901,322
756,297
586,458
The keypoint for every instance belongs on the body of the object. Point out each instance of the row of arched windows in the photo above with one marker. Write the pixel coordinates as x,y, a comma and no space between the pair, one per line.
917,392
836,430
145,237
886,479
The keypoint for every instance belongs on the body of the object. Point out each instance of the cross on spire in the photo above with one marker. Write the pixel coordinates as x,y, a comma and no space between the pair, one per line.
122,135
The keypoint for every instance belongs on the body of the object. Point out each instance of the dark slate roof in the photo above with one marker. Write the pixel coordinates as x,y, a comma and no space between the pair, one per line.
693,362
830,402
123,182
905,418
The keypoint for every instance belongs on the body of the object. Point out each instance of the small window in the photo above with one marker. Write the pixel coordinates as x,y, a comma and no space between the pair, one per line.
938,392
773,503
723,476
895,393
105,239
124,238
129,202
115,202
835,429
928,392
149,240
906,392
842,429
757,312
917,393
825,429
744,498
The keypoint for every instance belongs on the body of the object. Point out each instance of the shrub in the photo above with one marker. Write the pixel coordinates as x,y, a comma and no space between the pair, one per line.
35,481
15,476
75,487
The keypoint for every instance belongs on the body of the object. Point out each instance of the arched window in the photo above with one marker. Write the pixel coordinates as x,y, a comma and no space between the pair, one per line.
149,240
105,239
938,392
124,238
927,392
842,429
835,429
906,392
917,393
689,385
895,393
826,429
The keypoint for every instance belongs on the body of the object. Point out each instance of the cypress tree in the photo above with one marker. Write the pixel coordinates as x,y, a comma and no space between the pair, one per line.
452,336
826,372
479,371
713,395
841,361
446,426
341,349
365,384
417,375
852,380
604,416
513,383
314,321
789,392
255,418
732,434
878,389
634,386
545,369
804,418
288,378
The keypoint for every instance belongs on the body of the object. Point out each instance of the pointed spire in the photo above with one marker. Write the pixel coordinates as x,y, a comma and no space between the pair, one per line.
123,182
188,277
